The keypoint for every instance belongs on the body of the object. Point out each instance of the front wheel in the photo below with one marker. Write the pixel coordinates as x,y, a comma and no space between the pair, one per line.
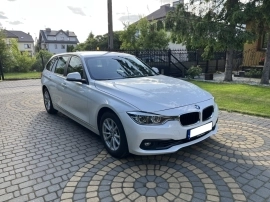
48,102
113,135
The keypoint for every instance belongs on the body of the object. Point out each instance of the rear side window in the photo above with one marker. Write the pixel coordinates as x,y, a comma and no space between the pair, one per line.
60,66
50,64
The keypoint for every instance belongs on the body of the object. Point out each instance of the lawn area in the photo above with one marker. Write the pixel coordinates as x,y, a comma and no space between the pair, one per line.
253,100
17,76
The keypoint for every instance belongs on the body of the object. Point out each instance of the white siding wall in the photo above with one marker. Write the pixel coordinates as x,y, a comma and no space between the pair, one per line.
51,48
51,38
22,48
62,36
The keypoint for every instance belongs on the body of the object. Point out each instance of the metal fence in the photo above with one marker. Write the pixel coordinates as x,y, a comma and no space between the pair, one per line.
177,62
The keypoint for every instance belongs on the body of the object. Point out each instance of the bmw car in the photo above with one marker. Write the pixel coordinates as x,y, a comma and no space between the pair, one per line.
130,105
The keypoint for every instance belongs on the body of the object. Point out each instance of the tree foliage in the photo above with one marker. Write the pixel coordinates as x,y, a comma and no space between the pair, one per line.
144,35
221,27
5,54
46,55
22,61
259,17
99,42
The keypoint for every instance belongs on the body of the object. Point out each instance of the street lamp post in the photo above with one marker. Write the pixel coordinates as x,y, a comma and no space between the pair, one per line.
110,25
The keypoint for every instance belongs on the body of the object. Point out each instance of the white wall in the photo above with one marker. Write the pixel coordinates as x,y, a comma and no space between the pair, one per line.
51,48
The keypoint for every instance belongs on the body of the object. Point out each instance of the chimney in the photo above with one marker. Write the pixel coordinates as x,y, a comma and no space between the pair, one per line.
48,30
67,32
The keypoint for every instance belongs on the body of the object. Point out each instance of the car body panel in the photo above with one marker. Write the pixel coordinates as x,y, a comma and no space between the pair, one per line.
159,94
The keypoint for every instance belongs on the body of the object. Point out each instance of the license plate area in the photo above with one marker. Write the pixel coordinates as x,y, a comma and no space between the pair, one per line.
199,130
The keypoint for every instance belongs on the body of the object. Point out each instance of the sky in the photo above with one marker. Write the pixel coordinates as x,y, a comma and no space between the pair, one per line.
79,16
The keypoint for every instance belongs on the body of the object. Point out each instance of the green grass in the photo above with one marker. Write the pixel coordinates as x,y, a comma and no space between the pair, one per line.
247,99
21,76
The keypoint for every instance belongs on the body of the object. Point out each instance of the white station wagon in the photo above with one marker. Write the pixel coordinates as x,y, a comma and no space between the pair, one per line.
130,105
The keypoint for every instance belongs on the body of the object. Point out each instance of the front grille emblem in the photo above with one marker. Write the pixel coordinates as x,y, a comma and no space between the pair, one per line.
197,107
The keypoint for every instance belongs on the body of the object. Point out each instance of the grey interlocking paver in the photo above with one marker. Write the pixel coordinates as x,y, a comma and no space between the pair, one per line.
41,154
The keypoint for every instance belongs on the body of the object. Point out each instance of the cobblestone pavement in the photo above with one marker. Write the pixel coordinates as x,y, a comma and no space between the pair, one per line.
51,158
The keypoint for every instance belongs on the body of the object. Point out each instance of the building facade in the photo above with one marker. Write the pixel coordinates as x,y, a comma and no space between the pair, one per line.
56,41
160,16
25,40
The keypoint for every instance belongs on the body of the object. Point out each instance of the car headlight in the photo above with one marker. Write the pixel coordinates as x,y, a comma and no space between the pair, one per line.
144,118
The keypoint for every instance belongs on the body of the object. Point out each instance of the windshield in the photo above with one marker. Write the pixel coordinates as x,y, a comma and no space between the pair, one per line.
117,67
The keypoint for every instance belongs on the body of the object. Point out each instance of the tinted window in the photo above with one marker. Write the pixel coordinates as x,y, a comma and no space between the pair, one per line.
117,67
51,63
75,65
61,63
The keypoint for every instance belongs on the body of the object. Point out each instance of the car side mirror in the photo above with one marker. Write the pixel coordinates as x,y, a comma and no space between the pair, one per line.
75,76
155,70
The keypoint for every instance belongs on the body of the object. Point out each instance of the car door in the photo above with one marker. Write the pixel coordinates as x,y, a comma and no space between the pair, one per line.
76,93
58,78
47,75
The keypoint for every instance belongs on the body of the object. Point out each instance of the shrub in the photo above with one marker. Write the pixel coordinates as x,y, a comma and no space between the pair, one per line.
254,73
194,71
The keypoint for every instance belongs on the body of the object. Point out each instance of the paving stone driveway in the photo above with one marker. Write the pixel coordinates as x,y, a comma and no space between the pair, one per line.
51,158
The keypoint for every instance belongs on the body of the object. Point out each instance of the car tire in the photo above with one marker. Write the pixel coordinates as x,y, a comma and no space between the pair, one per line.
113,135
48,102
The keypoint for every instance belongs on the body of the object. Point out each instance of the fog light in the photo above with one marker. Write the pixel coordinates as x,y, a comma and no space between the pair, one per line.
147,144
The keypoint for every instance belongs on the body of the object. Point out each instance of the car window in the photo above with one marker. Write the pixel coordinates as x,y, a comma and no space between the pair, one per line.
117,67
75,65
60,66
50,64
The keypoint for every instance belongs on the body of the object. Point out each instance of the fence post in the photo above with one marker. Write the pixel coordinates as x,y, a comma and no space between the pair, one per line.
197,57
137,53
169,60
207,65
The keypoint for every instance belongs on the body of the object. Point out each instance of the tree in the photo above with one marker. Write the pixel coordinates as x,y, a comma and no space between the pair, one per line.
258,11
42,54
4,53
144,35
22,60
70,48
220,28
100,41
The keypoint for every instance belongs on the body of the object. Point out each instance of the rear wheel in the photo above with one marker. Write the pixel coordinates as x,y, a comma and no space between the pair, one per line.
48,102
113,135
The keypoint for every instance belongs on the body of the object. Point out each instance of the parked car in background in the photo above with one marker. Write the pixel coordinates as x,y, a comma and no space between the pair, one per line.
132,107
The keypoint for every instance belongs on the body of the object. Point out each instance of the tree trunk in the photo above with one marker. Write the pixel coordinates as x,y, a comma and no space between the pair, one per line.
1,71
229,65
266,67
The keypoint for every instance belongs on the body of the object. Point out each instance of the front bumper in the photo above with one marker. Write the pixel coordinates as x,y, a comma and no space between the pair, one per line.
166,138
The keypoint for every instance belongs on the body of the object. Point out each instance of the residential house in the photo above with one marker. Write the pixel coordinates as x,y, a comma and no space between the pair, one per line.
25,40
56,41
254,53
160,16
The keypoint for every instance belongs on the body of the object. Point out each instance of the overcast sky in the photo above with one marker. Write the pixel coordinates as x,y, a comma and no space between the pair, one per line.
80,16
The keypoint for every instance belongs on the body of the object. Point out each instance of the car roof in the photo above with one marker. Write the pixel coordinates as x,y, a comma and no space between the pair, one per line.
94,53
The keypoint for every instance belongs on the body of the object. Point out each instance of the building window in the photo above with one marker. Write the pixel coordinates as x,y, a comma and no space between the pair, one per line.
27,46
55,46
63,46
62,38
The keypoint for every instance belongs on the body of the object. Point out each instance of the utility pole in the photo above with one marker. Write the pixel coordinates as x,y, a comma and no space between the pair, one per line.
110,25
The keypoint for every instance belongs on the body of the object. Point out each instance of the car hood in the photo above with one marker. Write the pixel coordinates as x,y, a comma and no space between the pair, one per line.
154,93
